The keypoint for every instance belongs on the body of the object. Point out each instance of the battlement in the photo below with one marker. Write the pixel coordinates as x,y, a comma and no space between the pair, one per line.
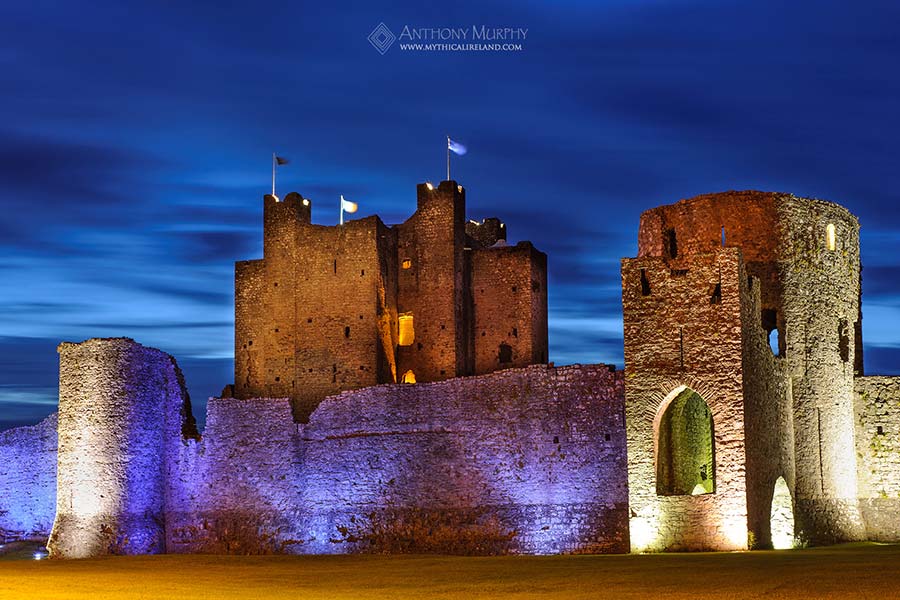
331,308
486,233
760,223
427,192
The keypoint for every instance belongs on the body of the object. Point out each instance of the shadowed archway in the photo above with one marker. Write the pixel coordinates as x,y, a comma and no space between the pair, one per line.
685,449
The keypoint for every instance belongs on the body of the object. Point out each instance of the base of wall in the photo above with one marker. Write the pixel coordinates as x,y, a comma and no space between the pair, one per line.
473,531
107,534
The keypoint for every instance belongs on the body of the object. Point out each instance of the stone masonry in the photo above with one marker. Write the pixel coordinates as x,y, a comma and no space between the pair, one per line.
717,278
527,460
338,308
742,418
122,408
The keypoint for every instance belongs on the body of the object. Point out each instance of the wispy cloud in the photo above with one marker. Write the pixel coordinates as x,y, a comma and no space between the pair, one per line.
136,147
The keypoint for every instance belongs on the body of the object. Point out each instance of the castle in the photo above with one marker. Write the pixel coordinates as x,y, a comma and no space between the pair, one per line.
337,308
392,394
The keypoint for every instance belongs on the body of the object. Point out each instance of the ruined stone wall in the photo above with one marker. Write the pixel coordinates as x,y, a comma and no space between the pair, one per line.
485,233
878,448
683,331
524,460
122,408
244,472
28,481
509,288
768,421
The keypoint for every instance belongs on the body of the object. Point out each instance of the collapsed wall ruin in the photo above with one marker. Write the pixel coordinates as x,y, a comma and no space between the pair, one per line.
526,460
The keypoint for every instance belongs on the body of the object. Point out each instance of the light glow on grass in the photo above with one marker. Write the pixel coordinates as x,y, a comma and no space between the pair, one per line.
849,571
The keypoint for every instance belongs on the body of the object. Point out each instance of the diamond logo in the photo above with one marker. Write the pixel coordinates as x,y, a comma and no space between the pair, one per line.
382,38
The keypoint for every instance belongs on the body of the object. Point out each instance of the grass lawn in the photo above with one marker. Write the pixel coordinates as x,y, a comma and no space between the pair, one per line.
849,571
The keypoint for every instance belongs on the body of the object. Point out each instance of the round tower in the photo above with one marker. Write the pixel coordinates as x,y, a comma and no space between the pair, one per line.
801,258
122,412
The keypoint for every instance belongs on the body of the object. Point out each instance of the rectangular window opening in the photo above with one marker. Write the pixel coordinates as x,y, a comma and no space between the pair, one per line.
645,283
844,340
407,330
671,243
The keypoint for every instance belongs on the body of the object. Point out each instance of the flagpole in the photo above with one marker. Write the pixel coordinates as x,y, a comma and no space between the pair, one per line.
273,174
448,158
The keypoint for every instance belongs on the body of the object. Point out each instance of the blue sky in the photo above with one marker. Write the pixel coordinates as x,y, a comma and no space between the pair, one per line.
137,139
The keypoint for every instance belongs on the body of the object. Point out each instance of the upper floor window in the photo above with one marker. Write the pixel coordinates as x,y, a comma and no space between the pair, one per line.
407,330
830,236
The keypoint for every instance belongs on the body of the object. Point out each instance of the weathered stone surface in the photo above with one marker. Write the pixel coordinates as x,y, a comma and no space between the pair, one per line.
715,275
539,452
878,448
522,460
28,480
123,410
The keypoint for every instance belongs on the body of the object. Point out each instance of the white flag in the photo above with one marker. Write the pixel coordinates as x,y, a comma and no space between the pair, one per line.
456,147
348,206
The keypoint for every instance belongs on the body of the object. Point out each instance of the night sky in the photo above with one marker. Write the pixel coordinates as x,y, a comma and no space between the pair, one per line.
136,141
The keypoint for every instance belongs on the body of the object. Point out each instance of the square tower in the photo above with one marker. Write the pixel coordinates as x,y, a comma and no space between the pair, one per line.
333,308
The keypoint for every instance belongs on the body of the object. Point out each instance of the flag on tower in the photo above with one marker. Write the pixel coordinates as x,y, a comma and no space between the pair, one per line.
456,147
277,161
347,206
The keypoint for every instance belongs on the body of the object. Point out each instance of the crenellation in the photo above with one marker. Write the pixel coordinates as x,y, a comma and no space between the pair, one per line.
325,309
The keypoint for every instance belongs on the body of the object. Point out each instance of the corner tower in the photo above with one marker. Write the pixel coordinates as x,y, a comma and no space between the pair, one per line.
748,301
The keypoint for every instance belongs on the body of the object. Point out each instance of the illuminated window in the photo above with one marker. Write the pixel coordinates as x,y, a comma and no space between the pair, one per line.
407,330
406,264
409,377
685,463
830,236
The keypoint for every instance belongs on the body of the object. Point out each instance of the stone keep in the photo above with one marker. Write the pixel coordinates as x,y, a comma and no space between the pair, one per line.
742,330
337,308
